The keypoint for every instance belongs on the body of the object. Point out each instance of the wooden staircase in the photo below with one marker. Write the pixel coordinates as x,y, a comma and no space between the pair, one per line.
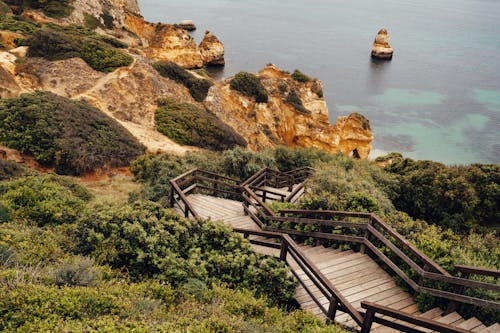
357,276
355,279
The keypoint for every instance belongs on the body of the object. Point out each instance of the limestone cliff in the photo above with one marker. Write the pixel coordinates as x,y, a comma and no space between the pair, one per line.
278,122
212,50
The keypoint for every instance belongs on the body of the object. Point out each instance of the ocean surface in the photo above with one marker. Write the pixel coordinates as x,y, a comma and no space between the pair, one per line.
438,99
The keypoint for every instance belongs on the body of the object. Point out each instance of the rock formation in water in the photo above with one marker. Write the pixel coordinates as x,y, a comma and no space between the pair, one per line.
212,50
381,48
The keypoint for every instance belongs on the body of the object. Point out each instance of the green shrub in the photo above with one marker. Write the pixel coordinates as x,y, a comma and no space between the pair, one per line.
243,163
42,200
300,77
71,136
187,124
249,85
10,170
294,100
4,214
51,8
154,242
85,32
91,22
461,197
288,159
17,24
198,88
79,271
56,45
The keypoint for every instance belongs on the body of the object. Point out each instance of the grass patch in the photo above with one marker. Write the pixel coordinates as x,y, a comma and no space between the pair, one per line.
294,100
56,45
249,85
70,136
190,125
198,88
300,77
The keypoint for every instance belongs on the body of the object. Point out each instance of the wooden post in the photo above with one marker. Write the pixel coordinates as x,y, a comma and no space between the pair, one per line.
458,289
264,195
332,310
186,211
367,322
421,279
362,249
284,249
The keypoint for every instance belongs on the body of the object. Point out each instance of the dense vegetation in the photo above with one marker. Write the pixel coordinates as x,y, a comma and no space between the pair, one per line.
300,77
130,268
51,8
343,183
198,88
17,24
457,197
70,136
56,45
249,85
190,125
294,100
4,8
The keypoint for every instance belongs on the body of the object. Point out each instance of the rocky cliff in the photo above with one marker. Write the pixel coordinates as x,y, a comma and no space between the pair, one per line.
279,122
130,94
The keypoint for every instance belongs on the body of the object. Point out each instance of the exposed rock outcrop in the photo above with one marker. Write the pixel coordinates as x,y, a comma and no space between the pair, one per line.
8,85
381,48
278,122
212,50
186,25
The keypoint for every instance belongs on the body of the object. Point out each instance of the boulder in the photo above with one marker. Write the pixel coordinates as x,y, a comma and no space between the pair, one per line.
381,48
212,50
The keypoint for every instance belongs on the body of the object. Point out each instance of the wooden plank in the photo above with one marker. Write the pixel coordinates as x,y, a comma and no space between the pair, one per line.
470,324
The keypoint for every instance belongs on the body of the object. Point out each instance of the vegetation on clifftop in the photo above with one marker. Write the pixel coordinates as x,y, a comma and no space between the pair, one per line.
190,125
70,136
249,85
198,88
51,8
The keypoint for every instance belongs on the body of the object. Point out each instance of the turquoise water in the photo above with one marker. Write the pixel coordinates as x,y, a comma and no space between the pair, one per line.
439,98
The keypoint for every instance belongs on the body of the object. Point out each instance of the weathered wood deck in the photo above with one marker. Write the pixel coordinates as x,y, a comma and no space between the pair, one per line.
357,276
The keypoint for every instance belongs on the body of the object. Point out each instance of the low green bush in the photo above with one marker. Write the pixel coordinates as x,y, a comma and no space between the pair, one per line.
17,24
300,77
190,125
85,32
56,45
79,271
249,85
294,100
43,200
459,197
198,88
154,242
71,136
10,170
51,8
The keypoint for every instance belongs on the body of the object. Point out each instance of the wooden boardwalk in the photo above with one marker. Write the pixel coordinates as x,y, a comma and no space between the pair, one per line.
357,276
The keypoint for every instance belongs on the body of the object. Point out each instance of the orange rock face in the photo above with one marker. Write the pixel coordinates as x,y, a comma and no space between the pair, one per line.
278,122
212,50
381,48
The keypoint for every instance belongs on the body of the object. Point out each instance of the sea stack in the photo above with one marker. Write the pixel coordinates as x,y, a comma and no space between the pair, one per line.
212,50
381,48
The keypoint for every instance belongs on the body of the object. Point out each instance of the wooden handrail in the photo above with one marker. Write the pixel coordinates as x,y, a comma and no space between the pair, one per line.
478,271
325,212
237,181
398,237
189,208
373,309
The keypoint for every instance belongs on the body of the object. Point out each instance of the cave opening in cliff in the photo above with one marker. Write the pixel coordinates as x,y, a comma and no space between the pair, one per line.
355,154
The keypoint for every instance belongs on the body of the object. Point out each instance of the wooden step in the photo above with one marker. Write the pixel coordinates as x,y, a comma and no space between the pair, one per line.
470,324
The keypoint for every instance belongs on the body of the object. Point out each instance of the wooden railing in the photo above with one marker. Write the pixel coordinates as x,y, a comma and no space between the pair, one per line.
366,230
405,320
288,247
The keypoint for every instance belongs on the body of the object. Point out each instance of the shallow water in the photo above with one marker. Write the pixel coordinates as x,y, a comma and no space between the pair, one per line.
439,98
